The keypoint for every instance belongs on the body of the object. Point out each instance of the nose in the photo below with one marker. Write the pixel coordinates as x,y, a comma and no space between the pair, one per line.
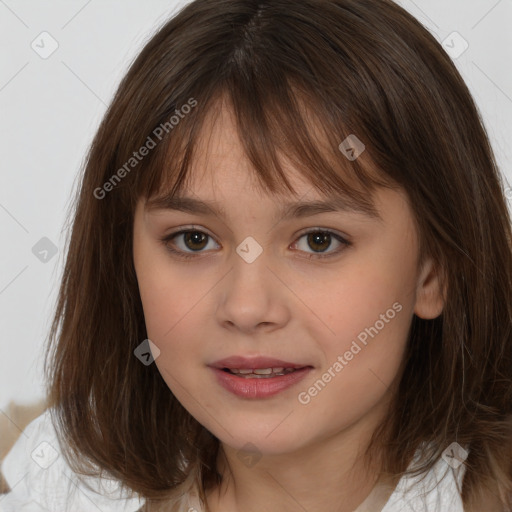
253,298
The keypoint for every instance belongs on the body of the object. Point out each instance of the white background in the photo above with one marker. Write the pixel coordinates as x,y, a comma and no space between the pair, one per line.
50,109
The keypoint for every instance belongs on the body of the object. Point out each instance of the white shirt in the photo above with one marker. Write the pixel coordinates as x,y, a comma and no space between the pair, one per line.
41,481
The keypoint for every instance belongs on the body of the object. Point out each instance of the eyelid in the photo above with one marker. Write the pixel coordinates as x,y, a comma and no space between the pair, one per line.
190,227
332,231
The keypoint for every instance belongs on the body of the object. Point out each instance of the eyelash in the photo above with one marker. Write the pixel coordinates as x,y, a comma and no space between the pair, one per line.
190,255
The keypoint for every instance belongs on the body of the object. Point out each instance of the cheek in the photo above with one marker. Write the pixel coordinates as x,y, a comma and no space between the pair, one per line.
358,296
168,292
171,322
175,303
363,350
169,314
366,313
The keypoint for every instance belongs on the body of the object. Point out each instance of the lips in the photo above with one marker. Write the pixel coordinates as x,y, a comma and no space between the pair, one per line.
254,363
256,386
258,377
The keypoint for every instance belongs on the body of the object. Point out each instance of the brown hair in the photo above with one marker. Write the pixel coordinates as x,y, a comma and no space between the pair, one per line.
363,67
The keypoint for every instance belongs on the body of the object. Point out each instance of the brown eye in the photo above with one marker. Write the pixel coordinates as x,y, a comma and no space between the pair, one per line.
195,240
187,242
320,241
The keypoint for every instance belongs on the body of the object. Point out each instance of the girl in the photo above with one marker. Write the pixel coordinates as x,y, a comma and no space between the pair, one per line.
289,279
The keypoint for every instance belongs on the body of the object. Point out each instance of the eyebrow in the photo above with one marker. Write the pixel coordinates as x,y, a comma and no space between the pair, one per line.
287,211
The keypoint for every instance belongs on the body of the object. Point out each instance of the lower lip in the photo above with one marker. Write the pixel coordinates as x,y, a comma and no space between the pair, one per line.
259,388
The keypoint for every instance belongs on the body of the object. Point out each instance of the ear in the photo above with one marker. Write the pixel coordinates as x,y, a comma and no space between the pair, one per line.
430,297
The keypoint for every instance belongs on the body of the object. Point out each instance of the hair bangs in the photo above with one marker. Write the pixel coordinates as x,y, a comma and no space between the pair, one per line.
279,122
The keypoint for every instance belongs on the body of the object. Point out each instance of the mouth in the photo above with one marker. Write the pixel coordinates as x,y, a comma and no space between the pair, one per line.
258,377
260,373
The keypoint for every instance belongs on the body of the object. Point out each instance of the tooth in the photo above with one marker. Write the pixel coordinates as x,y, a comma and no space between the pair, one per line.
260,373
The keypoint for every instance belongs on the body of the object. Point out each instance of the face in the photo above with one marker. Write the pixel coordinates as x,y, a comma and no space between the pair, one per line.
333,292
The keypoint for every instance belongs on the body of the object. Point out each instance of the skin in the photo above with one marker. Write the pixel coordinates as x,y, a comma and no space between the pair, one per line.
287,306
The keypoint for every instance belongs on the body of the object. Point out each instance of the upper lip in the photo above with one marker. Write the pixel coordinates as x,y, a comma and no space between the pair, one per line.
254,362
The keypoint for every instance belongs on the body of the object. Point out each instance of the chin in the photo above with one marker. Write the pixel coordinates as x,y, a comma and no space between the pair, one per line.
259,442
